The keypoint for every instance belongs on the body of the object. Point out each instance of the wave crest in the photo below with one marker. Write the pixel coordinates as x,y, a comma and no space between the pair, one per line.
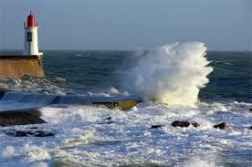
172,74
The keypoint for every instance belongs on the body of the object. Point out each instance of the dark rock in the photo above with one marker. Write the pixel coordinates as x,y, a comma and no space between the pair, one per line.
195,124
250,127
222,125
34,127
185,124
18,133
29,133
156,126
43,134
181,124
107,120
23,117
27,77
250,110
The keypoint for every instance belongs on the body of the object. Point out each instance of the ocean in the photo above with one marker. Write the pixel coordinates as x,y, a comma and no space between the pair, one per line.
177,82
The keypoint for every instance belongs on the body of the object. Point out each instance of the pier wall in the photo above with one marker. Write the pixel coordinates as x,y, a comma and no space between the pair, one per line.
17,66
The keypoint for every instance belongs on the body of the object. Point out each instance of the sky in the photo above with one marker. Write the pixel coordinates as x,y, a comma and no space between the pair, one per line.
129,24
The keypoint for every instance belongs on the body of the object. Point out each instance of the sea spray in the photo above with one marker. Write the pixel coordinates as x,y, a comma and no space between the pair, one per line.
172,74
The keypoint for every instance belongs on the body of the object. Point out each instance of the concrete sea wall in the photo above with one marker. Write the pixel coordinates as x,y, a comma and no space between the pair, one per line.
17,66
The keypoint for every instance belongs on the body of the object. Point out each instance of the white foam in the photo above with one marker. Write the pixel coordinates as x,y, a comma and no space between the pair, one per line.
40,164
35,153
199,162
8,152
85,136
83,139
73,114
172,74
114,91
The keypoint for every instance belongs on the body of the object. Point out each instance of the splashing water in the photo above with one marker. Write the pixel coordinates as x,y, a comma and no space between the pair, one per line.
34,85
172,74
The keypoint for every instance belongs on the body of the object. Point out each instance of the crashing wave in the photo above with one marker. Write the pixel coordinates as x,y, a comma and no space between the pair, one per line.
172,74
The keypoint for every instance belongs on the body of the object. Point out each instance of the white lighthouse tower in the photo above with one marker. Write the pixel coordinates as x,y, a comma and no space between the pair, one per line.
31,36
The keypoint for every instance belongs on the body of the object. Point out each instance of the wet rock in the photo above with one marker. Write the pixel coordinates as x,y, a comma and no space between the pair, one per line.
250,110
29,133
250,127
23,117
185,124
107,120
40,133
195,124
34,127
156,126
27,77
222,125
181,124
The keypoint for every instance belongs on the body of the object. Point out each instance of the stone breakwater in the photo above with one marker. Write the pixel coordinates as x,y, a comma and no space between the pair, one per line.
17,66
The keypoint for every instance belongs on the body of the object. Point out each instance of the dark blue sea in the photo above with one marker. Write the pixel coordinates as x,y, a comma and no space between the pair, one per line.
99,70
175,82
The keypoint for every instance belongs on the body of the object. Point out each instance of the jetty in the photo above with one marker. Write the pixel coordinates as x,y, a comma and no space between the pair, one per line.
30,61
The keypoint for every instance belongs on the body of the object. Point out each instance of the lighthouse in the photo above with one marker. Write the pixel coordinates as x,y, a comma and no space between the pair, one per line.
31,36
30,62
